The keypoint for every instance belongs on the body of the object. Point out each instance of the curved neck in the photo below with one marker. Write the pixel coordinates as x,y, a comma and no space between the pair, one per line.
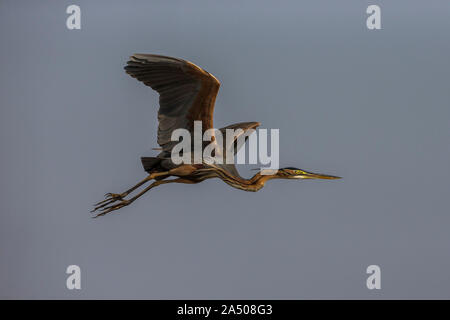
253,184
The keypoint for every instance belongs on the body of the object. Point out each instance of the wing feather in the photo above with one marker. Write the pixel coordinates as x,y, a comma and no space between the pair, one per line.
187,93
245,127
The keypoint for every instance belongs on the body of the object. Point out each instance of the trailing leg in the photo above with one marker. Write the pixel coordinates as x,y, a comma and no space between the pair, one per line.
113,197
124,202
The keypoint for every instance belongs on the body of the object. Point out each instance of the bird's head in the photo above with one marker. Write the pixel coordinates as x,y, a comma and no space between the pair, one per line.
295,173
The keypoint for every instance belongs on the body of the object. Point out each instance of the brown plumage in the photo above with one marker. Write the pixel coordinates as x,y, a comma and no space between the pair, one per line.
187,93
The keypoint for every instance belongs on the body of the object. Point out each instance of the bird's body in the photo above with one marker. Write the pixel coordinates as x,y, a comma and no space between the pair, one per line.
188,94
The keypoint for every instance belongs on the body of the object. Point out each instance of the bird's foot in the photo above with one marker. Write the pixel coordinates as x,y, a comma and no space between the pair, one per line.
104,210
110,198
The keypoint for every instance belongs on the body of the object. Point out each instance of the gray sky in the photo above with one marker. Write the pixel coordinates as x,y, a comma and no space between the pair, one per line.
370,106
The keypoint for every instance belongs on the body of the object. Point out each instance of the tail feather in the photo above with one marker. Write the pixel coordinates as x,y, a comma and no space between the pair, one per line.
150,162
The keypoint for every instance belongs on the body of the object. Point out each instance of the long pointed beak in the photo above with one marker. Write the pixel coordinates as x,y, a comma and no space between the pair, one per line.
311,175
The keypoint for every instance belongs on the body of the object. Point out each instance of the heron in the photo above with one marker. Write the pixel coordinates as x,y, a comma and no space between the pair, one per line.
187,93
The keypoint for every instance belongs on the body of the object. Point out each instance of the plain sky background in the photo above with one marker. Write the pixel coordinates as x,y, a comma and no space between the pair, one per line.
370,106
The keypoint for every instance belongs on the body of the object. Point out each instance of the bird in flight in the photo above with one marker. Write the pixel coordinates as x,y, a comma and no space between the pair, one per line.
187,93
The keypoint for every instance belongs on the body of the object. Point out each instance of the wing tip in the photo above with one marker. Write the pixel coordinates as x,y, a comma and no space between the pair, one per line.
148,57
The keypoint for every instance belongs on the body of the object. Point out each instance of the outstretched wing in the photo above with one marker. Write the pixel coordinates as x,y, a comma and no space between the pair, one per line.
245,127
234,144
187,93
